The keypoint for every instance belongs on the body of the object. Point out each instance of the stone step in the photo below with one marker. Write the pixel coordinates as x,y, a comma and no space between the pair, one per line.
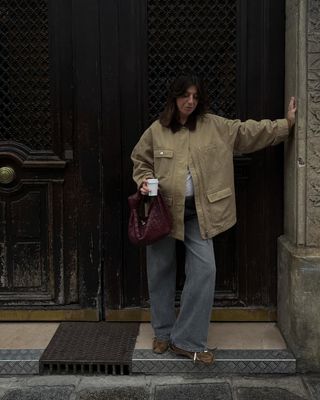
227,362
20,361
243,348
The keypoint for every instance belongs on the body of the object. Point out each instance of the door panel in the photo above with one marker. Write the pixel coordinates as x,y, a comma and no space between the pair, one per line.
30,240
49,125
123,55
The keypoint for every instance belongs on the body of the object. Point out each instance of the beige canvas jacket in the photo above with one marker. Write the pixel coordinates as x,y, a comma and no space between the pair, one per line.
208,152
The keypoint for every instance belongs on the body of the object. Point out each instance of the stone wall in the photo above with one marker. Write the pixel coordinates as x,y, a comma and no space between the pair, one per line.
313,125
299,248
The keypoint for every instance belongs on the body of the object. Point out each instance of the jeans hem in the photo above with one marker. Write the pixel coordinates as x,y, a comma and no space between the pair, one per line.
162,338
186,348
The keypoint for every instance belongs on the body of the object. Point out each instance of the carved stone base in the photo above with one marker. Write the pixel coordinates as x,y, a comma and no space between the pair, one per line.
298,302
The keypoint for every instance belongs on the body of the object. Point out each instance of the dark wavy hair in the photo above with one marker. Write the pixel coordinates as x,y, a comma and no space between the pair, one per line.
169,117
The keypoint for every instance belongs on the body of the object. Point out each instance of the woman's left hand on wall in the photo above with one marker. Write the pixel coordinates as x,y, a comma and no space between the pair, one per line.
291,114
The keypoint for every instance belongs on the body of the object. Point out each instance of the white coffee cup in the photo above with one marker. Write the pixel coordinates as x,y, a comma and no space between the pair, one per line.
153,186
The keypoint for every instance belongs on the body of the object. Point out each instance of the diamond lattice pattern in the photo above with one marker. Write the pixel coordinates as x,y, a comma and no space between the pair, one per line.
25,115
193,36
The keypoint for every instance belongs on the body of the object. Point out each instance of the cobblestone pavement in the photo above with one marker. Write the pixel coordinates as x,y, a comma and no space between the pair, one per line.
143,387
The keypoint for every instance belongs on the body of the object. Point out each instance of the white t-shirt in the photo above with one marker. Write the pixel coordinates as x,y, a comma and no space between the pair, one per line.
189,185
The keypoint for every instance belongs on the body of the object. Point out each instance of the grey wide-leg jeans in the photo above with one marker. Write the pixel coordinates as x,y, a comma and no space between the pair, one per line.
189,331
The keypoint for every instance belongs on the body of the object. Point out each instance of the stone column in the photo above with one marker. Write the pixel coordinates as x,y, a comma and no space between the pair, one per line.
299,248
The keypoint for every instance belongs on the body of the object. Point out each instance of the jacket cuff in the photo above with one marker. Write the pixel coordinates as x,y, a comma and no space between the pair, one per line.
283,129
140,181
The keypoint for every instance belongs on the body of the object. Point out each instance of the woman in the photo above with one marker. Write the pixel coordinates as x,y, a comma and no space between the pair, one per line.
191,153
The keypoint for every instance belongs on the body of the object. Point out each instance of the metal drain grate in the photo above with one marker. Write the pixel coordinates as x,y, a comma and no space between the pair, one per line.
84,369
91,348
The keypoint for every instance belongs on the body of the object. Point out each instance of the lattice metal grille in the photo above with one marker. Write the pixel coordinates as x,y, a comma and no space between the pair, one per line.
24,73
193,36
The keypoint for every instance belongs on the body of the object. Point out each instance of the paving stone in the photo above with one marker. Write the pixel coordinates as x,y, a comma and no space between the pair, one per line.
205,391
6,382
266,393
313,384
39,393
115,393
52,380
293,384
107,381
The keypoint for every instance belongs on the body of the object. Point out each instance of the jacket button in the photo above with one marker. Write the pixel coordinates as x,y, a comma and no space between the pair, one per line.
161,152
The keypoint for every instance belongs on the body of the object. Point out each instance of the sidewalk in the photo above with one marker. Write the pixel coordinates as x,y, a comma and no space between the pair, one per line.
160,388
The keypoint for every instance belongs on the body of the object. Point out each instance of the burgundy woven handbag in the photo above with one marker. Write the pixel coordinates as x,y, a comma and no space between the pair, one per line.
147,229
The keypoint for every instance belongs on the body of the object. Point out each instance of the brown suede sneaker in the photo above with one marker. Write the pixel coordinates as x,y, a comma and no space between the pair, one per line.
204,357
160,346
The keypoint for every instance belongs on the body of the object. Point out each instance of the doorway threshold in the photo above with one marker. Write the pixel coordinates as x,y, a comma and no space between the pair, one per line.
241,348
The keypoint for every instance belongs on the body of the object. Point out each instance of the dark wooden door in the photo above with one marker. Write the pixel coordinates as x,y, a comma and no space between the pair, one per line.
238,46
50,236
80,80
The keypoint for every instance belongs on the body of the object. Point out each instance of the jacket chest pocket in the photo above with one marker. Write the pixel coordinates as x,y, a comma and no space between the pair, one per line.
163,153
163,162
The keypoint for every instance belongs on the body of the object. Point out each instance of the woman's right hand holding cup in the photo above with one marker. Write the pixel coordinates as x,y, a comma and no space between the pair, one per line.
149,187
144,188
